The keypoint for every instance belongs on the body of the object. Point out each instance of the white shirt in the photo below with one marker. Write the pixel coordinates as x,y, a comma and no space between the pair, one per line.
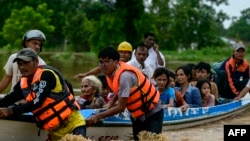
248,84
12,69
151,59
147,70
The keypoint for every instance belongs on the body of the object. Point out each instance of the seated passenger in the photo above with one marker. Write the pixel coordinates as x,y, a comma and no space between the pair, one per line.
189,93
91,88
203,71
167,97
233,74
204,86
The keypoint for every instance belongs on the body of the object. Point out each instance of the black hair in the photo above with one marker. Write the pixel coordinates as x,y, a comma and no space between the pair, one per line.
203,65
149,34
162,70
110,53
187,71
103,79
201,82
191,66
171,74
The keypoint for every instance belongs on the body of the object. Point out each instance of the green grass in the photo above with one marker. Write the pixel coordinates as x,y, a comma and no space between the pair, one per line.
209,54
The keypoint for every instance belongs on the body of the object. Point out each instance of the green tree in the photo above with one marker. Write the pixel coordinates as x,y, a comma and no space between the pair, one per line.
77,38
23,20
124,21
183,22
239,29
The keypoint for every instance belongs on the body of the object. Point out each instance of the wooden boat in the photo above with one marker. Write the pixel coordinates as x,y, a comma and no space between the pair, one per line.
118,127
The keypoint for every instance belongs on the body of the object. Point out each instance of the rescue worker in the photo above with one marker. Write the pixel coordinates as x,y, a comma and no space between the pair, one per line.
47,97
125,51
31,39
133,90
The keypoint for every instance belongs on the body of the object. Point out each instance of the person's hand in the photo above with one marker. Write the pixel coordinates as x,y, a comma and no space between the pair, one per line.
156,47
4,112
92,120
184,107
80,76
237,98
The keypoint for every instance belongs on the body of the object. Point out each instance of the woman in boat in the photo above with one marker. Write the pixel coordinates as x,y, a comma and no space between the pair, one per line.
167,97
205,87
189,93
91,88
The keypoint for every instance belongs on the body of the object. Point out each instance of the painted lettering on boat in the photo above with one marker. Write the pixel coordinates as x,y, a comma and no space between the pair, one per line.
108,138
103,138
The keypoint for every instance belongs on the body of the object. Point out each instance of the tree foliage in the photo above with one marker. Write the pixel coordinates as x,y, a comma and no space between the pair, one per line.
240,27
87,25
20,21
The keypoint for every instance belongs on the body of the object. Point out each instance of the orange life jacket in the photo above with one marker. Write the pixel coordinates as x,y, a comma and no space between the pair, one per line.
143,97
56,107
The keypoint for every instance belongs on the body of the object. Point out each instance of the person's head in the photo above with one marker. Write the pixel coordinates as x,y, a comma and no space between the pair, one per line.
183,74
125,50
141,53
27,61
203,70
149,39
192,67
91,86
108,59
105,88
172,79
239,51
33,39
161,77
204,86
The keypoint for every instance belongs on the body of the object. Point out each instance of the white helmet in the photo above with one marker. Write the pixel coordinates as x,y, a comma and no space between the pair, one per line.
33,34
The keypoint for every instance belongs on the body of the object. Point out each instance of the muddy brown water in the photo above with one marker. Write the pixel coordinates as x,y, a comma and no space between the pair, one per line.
213,131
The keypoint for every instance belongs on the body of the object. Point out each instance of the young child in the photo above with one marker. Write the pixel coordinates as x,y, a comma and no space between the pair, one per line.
204,86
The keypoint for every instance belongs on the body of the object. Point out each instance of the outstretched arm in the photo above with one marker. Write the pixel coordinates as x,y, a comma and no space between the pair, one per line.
93,71
242,93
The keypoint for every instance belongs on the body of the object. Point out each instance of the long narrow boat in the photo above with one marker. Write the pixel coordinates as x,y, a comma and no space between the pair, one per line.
118,127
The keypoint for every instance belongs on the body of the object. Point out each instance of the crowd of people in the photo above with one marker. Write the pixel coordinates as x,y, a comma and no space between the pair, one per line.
136,79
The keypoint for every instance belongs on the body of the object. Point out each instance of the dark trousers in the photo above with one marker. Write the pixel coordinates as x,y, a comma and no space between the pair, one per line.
152,124
81,130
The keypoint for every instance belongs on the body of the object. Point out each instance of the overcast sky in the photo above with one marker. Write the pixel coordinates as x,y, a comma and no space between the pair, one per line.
234,8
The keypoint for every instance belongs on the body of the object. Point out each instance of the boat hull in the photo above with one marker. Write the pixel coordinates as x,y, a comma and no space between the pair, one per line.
118,127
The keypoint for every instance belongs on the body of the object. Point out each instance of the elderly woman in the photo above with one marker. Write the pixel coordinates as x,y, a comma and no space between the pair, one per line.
91,88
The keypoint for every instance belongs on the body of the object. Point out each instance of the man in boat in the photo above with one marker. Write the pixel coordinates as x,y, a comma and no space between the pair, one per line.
47,97
31,39
133,90
155,58
235,70
141,54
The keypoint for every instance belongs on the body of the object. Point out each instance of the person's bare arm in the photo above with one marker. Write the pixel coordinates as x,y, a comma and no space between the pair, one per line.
5,82
93,71
242,93
160,61
120,107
